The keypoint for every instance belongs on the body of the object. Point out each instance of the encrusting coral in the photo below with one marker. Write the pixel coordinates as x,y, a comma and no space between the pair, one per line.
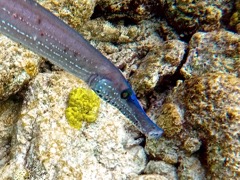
83,105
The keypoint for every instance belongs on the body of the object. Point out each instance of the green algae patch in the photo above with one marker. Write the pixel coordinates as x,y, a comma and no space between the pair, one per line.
83,105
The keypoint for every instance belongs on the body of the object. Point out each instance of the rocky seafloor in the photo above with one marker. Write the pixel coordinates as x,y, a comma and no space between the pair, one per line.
183,60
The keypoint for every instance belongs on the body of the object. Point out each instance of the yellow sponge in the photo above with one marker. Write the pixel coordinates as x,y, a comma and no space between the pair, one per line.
83,105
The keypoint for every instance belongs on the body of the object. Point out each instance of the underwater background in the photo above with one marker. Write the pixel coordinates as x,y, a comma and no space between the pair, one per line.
181,57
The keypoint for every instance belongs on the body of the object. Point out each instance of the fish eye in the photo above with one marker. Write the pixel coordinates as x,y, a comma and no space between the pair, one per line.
126,94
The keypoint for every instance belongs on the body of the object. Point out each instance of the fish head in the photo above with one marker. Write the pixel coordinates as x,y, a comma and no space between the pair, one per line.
124,99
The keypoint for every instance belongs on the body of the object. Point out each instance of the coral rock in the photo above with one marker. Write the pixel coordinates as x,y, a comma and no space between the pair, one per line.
150,177
44,146
161,168
17,66
210,105
188,16
191,168
217,51
9,111
161,61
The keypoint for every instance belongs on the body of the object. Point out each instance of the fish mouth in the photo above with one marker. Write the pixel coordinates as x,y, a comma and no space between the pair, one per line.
140,119
155,134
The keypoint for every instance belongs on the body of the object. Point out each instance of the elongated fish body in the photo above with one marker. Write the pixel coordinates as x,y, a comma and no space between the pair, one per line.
28,23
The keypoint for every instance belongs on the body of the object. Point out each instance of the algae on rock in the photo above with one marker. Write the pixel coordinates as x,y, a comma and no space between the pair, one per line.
188,17
209,105
213,52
